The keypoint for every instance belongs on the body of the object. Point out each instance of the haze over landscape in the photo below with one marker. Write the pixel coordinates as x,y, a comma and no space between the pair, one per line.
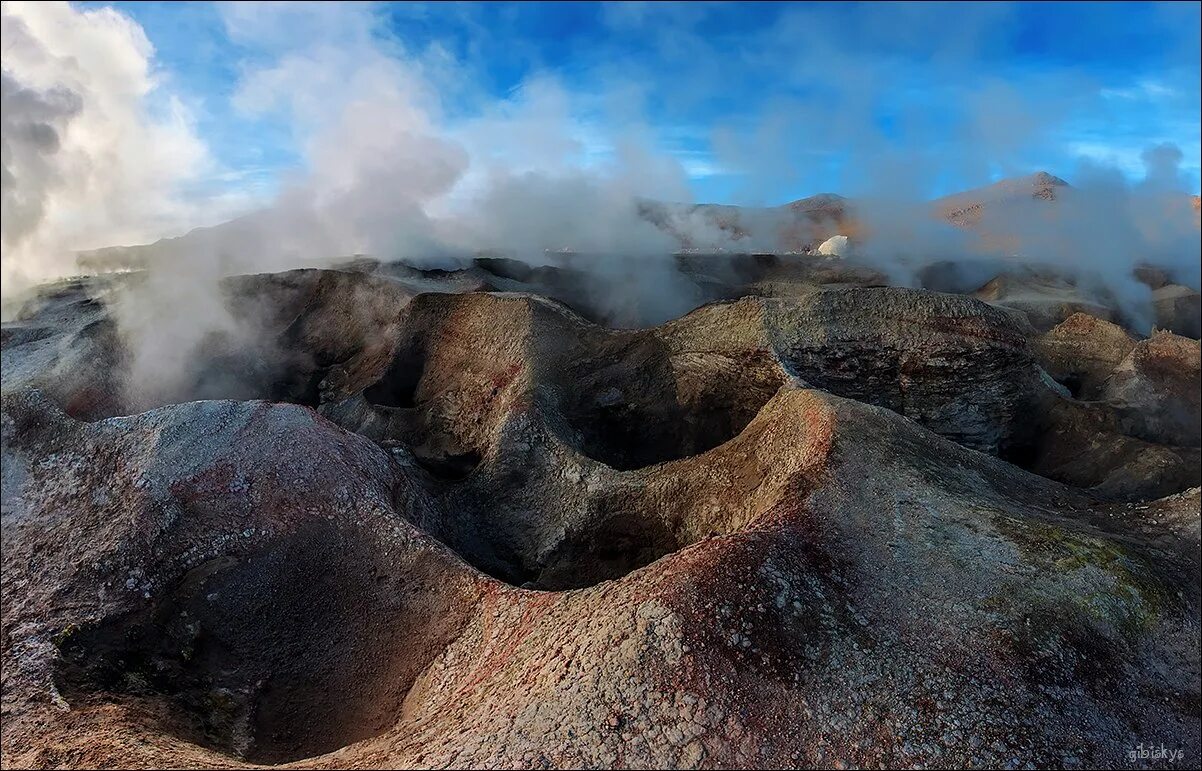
669,385
401,131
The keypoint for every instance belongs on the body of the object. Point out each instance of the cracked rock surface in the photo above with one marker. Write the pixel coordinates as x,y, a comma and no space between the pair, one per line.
448,519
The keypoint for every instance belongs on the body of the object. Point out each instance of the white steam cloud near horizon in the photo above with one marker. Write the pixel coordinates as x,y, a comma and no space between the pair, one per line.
97,152
85,161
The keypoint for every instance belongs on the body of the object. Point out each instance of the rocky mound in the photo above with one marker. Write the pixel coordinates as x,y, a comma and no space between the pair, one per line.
1156,390
1082,351
1045,300
1178,309
415,528
1127,423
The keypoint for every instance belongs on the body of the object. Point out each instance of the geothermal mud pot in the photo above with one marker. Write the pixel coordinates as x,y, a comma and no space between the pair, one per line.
480,518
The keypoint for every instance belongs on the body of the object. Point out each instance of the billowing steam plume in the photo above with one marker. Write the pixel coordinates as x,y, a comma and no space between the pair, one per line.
96,152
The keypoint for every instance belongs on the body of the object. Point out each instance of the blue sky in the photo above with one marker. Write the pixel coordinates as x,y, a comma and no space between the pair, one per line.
760,103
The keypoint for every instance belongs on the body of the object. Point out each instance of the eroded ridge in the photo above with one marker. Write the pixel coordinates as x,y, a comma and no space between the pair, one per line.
438,371
448,381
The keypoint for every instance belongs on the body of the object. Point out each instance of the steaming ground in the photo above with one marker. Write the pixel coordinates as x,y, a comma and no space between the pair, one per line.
381,515
443,428
1034,243
816,503
98,152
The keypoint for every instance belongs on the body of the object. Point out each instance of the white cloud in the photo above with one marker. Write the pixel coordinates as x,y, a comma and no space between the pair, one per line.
1147,89
1126,159
116,149
699,165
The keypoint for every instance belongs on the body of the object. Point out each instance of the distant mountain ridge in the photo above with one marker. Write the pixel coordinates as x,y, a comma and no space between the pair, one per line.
797,226
965,208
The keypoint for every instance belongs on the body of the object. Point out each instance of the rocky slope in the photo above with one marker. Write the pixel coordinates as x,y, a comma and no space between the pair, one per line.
968,207
425,519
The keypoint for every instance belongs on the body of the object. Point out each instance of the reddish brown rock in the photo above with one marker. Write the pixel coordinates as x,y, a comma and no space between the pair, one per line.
1082,351
487,532
1156,390
267,591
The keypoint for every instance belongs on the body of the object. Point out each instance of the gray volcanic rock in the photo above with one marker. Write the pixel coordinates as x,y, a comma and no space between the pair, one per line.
1157,390
1178,309
1133,435
1046,301
232,557
479,530
293,324
266,592
1084,444
955,365
64,341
